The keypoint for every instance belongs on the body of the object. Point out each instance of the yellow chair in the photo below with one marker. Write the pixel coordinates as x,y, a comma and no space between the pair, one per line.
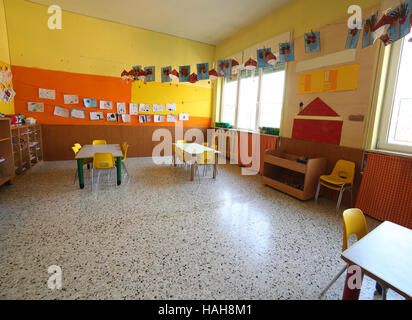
97,142
354,222
341,179
76,148
178,152
102,162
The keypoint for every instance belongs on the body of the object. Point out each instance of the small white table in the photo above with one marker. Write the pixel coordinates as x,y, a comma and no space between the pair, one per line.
195,149
385,255
88,151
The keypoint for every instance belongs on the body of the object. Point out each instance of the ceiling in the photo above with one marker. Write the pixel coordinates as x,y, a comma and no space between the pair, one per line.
207,21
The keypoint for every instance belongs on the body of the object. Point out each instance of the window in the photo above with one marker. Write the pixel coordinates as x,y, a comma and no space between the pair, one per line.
255,99
395,133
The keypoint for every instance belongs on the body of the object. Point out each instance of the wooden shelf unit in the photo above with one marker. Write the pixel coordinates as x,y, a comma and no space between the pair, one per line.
27,147
6,153
284,173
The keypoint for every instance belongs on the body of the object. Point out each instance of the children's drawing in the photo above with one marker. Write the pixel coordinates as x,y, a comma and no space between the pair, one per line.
401,26
353,38
184,73
183,116
203,71
47,94
121,108
171,107
312,42
71,99
261,55
8,95
133,109
165,74
35,106
286,52
224,68
158,118
98,115
144,119
158,108
171,118
111,117
61,112
90,103
369,25
150,74
126,118
78,114
144,107
106,105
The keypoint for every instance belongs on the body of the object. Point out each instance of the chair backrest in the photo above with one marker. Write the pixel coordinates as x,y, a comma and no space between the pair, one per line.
354,222
96,142
103,161
78,145
344,170
124,147
75,150
181,141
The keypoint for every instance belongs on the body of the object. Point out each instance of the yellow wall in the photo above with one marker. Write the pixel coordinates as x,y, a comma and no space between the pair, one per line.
4,57
300,16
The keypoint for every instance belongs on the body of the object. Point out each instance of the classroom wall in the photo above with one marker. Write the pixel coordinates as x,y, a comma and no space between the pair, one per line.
301,17
4,57
87,57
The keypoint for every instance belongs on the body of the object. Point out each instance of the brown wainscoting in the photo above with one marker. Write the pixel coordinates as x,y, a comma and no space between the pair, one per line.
331,152
59,139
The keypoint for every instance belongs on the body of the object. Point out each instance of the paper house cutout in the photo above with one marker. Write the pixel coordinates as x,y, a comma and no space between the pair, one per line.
318,122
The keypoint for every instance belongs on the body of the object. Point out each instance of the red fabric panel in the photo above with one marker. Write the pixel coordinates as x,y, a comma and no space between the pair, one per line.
322,131
386,189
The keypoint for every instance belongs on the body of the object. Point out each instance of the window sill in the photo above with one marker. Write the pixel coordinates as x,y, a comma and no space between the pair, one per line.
391,153
248,131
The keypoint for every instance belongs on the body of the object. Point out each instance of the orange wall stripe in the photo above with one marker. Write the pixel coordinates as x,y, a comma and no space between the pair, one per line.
27,82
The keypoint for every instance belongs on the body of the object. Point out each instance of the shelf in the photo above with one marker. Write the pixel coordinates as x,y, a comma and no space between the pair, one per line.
6,179
4,139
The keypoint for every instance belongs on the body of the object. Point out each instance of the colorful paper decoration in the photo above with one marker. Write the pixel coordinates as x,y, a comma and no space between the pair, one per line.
202,71
106,105
213,74
111,117
224,68
35,106
251,64
78,114
71,99
271,58
286,52
8,95
124,75
141,75
133,109
47,94
90,103
343,78
174,75
380,31
312,42
165,74
150,74
193,78
368,38
184,72
261,56
98,115
318,122
353,38
235,65
132,75
61,112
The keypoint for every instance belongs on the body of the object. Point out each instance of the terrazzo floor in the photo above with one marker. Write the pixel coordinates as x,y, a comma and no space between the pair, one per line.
160,236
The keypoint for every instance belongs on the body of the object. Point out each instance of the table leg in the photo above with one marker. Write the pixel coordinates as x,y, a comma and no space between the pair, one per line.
174,157
119,170
80,173
215,166
192,171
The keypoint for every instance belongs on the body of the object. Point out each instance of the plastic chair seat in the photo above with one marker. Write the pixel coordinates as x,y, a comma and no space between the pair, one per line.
332,180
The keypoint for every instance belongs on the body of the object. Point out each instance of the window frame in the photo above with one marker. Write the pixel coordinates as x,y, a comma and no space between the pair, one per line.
388,102
258,101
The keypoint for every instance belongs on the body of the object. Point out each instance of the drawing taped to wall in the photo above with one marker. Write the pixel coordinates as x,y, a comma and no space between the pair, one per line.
47,94
35,106
312,42
71,99
111,117
121,108
61,112
90,103
106,105
98,115
133,109
144,107
78,114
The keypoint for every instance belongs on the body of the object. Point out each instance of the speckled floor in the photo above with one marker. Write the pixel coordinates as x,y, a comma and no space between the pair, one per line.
160,236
